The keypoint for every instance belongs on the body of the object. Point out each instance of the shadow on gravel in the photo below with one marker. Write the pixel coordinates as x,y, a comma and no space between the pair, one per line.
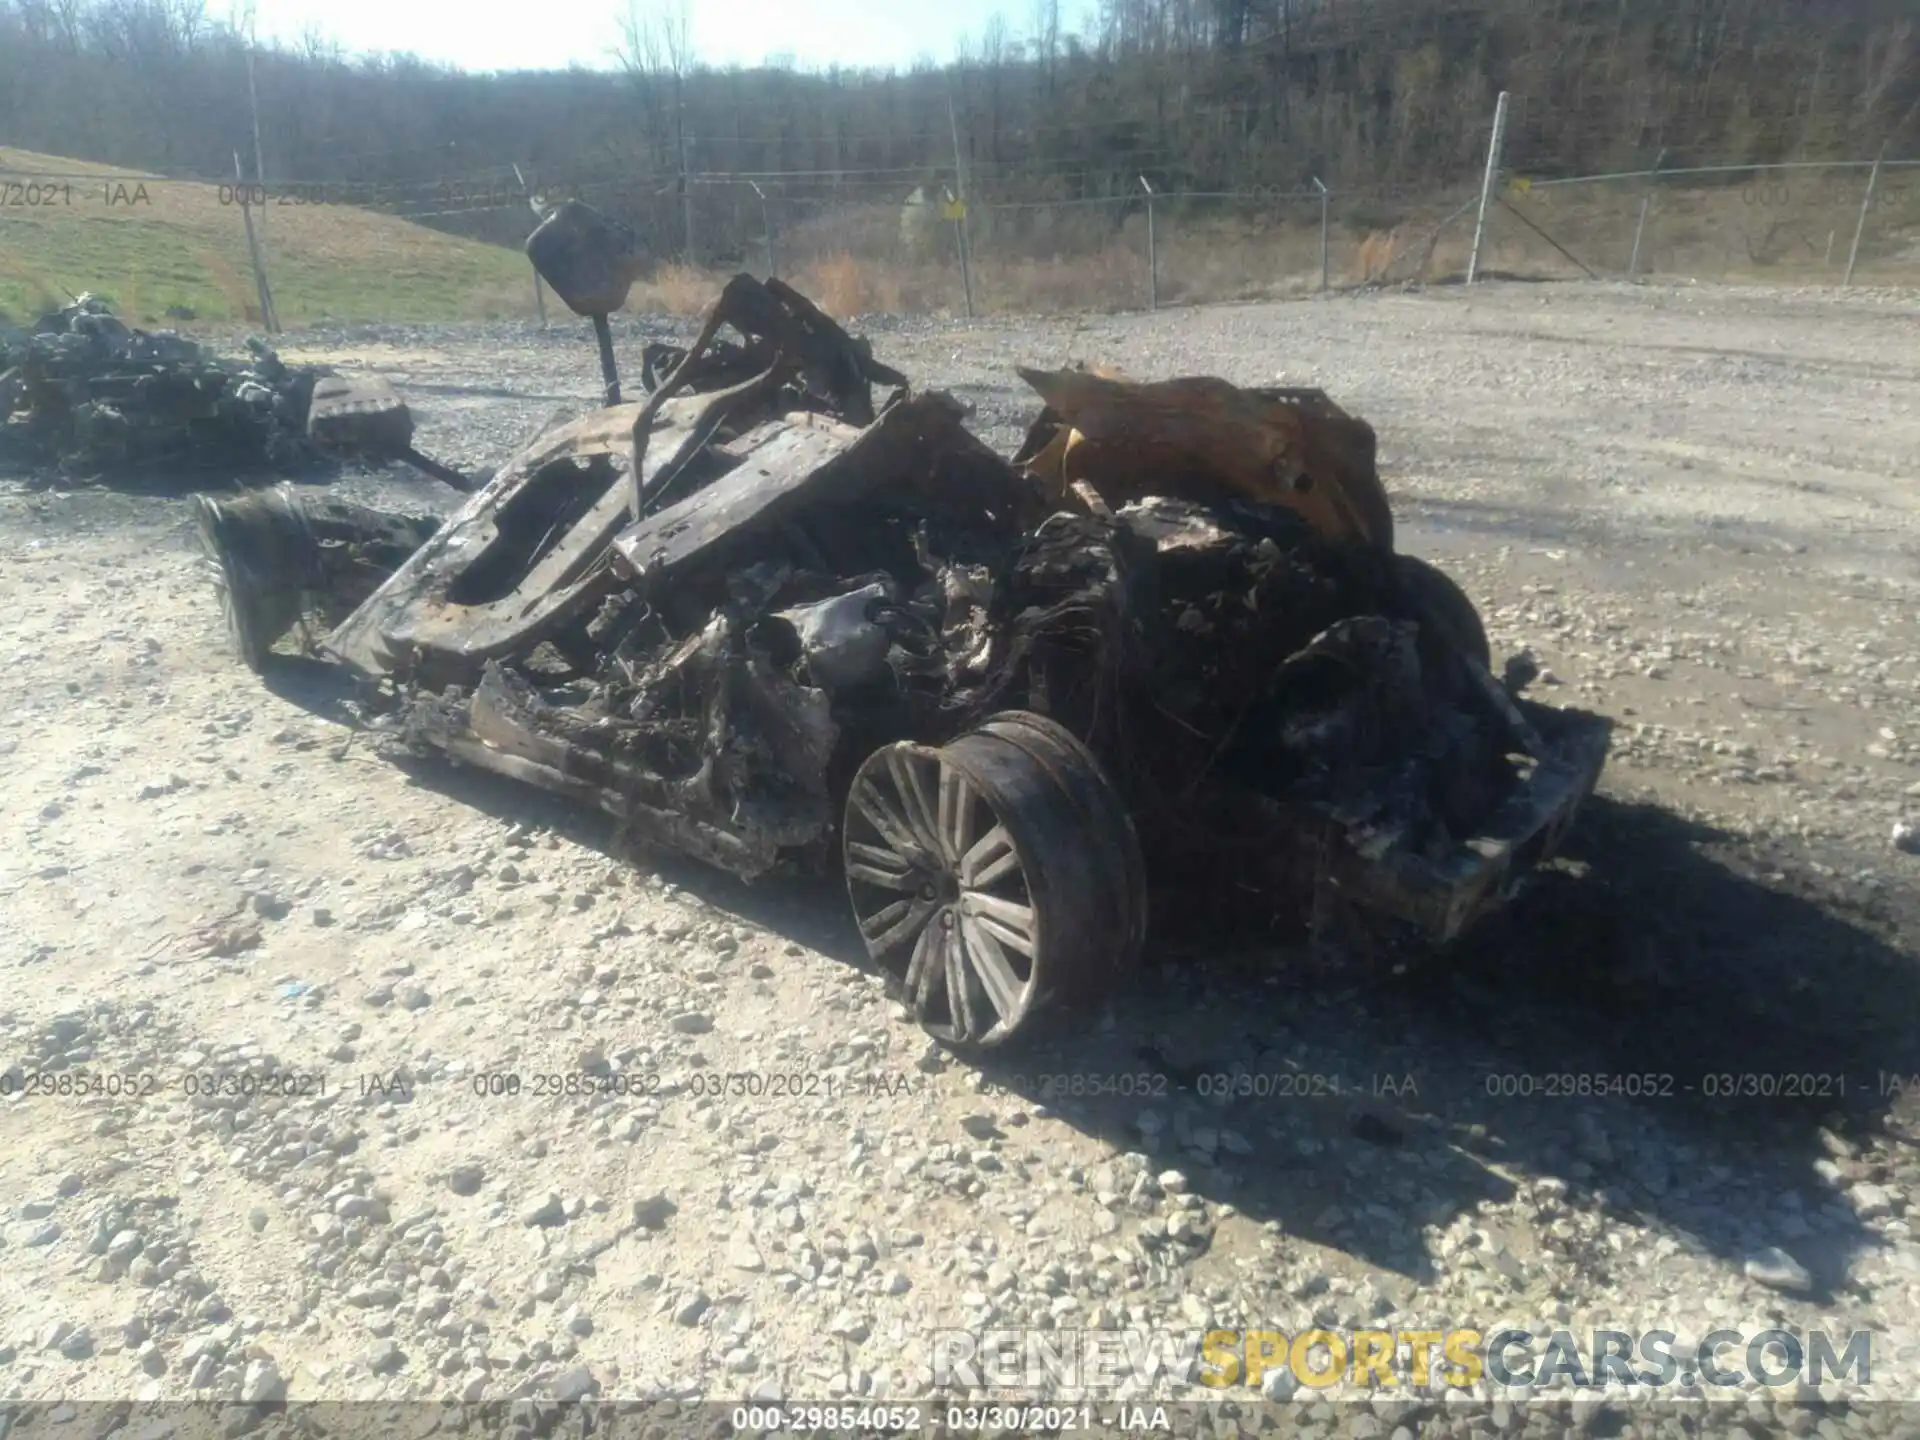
1674,1025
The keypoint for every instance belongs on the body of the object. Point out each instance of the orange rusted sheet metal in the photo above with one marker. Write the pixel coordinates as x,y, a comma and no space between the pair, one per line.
1205,440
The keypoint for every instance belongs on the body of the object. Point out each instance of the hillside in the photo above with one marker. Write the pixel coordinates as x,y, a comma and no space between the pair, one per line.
156,245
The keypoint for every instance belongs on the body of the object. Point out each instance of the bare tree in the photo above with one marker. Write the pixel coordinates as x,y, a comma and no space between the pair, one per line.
1044,36
656,52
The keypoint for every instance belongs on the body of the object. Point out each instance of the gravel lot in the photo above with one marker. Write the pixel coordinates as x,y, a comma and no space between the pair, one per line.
1696,506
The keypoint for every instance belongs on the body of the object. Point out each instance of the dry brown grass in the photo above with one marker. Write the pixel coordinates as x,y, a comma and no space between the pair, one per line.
676,289
1373,255
843,286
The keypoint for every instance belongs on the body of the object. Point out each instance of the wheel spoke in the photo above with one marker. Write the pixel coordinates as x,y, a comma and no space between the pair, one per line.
990,963
933,973
887,927
926,956
1007,921
914,800
883,879
959,1000
956,813
992,852
877,865
891,825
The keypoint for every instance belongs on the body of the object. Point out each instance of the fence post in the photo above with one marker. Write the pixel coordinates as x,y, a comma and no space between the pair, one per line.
539,289
766,221
1640,228
1323,231
1486,185
686,186
1153,252
267,317
1866,204
960,203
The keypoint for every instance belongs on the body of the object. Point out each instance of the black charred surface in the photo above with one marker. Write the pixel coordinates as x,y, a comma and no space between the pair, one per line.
84,395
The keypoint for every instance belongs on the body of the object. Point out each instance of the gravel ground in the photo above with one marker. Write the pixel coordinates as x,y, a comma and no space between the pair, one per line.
1695,506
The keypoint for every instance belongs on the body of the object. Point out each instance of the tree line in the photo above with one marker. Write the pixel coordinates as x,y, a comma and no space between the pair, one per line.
1190,94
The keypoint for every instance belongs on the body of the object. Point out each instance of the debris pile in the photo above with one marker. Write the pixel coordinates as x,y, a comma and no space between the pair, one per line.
766,621
84,393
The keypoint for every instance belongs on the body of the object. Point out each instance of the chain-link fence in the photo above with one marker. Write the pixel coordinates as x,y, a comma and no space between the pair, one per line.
169,250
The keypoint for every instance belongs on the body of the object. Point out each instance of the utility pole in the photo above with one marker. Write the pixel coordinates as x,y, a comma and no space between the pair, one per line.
1487,185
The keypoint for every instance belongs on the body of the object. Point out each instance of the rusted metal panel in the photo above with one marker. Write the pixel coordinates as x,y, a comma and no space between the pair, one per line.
1201,438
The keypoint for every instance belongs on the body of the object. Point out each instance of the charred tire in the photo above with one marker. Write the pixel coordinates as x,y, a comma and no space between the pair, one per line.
1103,814
991,876
257,610
1438,600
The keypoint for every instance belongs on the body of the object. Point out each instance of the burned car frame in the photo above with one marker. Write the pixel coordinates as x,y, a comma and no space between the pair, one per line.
772,623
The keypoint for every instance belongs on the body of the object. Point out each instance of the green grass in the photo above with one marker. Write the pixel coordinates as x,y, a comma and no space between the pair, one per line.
182,248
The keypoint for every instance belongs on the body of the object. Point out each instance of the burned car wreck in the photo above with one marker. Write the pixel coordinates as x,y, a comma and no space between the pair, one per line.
84,396
784,613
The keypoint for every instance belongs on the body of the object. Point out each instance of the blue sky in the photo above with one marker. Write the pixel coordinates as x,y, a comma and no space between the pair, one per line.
555,33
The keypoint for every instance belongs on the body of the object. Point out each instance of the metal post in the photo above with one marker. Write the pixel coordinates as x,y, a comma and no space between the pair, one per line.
267,317
1866,204
686,186
539,289
253,103
1646,199
1324,196
766,219
960,224
958,211
1487,184
1153,252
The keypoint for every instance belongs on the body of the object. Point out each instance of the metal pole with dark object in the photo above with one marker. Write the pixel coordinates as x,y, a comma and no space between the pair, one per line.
1153,252
590,261
267,317
1640,228
1488,183
362,417
1866,204
1325,195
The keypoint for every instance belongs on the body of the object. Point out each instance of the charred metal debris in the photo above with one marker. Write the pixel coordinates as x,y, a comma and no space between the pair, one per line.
778,622
84,396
